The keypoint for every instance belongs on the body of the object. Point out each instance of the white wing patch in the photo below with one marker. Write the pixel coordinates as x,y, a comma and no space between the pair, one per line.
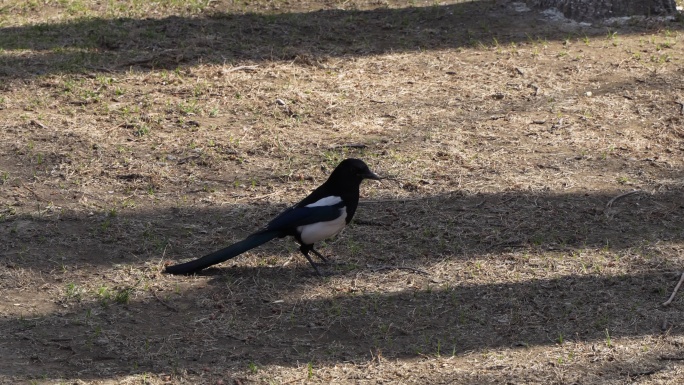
327,201
316,232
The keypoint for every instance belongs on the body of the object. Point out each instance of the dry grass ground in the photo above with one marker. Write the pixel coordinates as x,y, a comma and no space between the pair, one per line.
138,133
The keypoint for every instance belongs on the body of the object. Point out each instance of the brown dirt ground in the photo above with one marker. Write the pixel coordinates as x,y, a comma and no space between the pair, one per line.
135,134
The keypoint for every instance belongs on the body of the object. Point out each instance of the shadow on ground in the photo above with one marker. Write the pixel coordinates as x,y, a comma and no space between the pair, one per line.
241,318
98,44
414,231
235,314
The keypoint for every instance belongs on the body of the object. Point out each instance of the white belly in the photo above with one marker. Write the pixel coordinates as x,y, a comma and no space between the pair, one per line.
316,232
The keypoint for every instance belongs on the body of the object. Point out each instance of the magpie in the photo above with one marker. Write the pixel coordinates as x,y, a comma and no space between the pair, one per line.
320,215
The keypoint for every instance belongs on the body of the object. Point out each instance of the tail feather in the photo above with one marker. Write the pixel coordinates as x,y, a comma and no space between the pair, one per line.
224,254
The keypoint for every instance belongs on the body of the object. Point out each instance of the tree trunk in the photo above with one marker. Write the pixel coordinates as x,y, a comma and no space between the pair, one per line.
600,9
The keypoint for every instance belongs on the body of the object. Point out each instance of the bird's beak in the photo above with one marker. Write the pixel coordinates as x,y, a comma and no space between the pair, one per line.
370,175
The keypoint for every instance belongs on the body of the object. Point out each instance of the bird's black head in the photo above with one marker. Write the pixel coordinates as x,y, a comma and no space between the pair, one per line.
351,172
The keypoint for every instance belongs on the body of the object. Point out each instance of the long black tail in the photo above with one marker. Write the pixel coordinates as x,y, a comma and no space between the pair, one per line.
219,256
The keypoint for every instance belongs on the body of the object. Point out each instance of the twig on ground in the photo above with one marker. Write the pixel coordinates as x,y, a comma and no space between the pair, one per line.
154,293
512,243
610,202
643,373
388,267
536,89
32,192
52,342
404,200
295,380
671,358
242,68
681,106
38,124
364,222
349,145
255,197
674,292
100,69
398,200
391,178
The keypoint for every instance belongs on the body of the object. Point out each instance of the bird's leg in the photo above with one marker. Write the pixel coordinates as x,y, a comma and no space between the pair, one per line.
305,250
324,259
319,255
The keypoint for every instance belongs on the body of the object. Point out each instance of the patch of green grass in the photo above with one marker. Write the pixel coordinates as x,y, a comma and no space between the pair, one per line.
104,295
609,341
105,225
123,296
73,291
661,59
141,130
253,368
189,108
